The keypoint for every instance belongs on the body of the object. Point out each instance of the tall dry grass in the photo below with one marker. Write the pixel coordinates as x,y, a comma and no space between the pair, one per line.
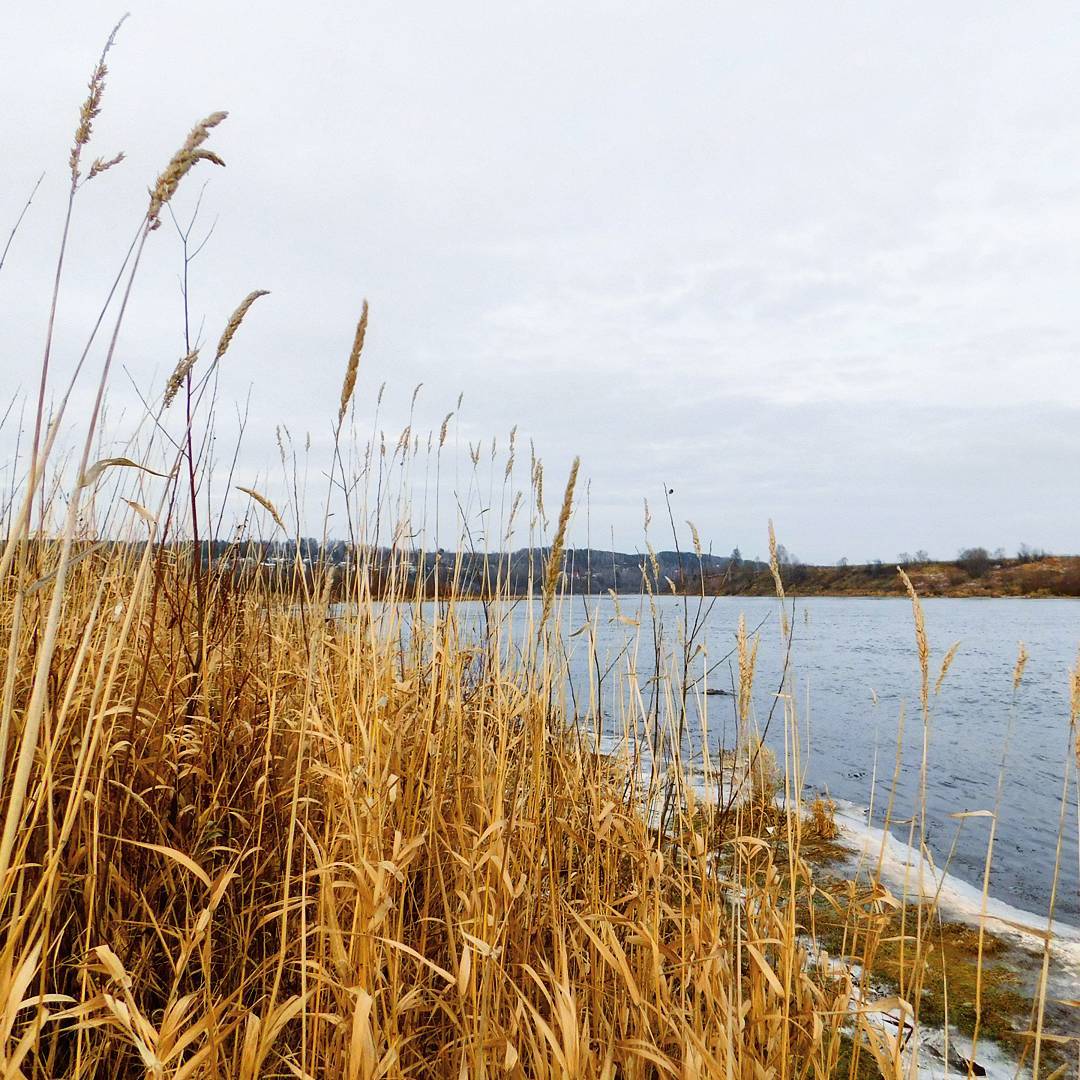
299,823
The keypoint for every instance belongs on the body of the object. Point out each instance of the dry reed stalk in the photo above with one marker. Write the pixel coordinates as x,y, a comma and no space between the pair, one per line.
19,220
182,162
946,663
921,641
349,384
1018,673
554,567
923,645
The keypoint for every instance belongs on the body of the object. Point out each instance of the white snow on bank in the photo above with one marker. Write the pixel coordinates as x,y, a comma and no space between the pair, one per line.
932,1055
957,899
928,1053
997,1065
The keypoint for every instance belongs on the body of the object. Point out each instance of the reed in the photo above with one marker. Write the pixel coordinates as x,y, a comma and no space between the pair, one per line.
349,383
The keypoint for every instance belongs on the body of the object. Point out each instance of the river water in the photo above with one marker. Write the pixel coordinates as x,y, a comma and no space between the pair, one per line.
853,669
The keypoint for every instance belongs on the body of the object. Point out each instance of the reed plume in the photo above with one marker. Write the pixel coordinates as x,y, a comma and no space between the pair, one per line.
946,663
747,657
349,385
235,320
774,563
88,113
696,538
181,164
510,456
778,581
100,165
1021,663
554,567
180,373
265,503
538,484
921,640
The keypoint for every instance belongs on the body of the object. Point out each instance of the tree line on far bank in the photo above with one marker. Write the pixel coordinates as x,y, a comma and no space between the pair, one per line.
976,571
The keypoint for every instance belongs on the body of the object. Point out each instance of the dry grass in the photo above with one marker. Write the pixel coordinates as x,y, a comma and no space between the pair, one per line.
822,823
249,834
313,857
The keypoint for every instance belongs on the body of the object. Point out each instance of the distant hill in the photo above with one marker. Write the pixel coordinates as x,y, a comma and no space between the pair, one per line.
592,570
1048,575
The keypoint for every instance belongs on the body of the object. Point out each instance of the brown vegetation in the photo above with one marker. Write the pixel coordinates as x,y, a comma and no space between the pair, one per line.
1047,575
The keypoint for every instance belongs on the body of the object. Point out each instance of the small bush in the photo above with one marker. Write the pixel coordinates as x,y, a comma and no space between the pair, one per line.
822,823
765,776
976,561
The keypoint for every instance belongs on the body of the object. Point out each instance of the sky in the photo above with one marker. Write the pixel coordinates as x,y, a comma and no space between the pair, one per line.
813,263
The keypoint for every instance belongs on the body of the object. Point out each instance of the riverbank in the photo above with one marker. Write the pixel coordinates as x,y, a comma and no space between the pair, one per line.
982,962
1049,576
949,979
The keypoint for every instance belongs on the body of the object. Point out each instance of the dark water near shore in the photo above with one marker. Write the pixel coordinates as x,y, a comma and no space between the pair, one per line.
854,666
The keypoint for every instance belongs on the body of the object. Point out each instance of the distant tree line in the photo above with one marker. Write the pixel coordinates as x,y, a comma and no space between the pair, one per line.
974,571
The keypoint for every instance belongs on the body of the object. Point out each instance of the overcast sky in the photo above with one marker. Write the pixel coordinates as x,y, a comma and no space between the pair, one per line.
819,263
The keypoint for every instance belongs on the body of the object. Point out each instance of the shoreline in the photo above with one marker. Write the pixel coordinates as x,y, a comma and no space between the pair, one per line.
959,899
1014,942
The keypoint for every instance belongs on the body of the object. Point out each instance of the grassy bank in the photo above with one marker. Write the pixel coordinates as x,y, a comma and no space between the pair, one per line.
1041,576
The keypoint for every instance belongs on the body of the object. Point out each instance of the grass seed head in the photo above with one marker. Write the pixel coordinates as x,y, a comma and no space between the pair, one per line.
945,665
1021,663
778,581
349,384
696,537
181,164
235,320
101,165
180,373
89,111
555,558
921,640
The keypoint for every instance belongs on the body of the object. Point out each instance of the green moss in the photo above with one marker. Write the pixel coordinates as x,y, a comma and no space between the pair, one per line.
865,1068
946,969
950,978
